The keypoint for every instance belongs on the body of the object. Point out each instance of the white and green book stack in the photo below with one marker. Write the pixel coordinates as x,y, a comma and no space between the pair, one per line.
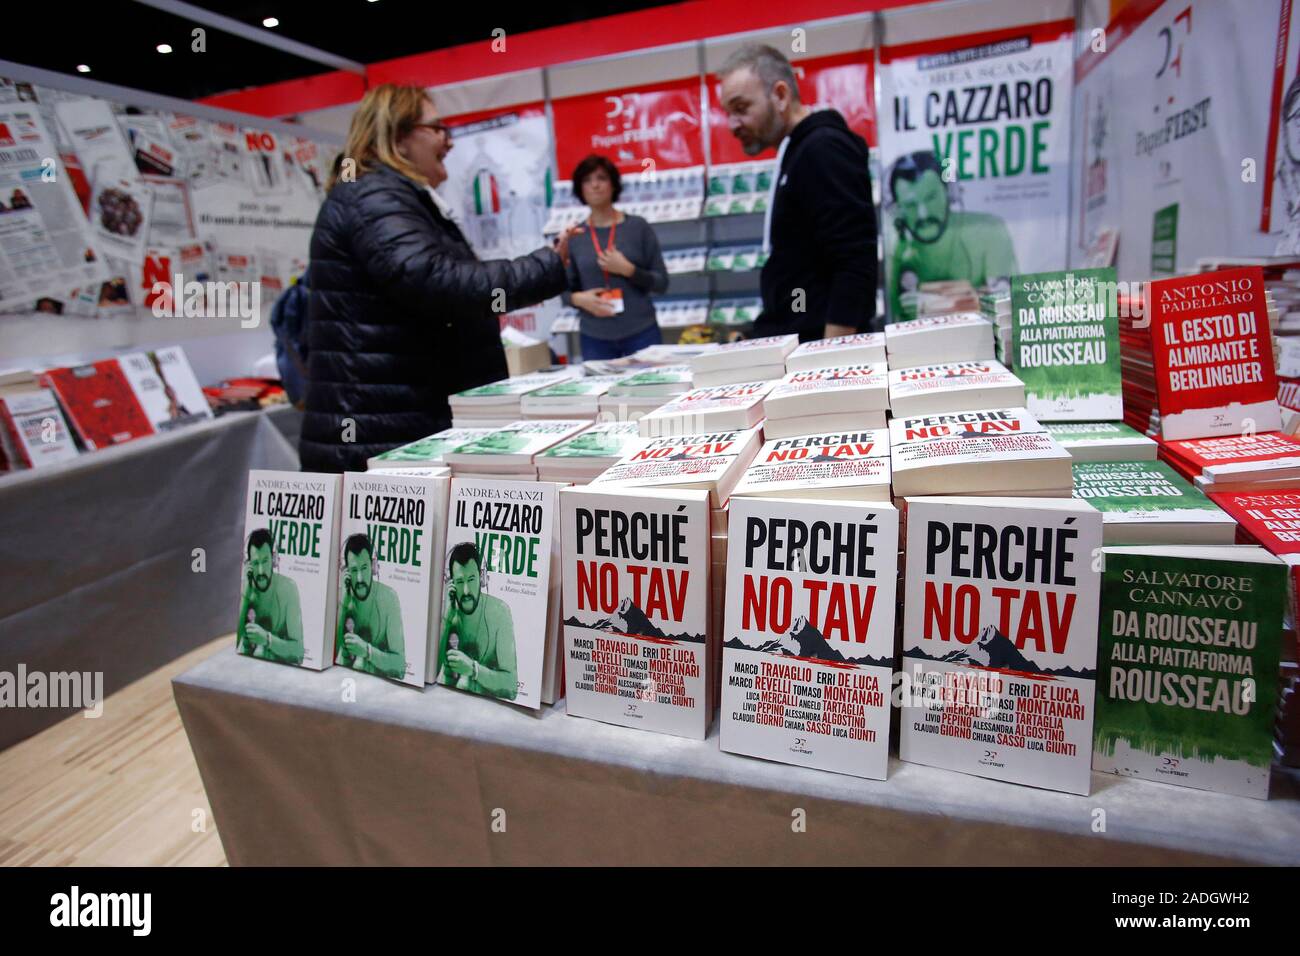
996,307
572,398
509,451
953,387
425,452
1147,502
644,391
499,403
959,337
1102,441
584,456
843,398
746,360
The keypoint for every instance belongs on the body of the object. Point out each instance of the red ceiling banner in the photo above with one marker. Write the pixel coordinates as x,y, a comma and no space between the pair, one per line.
845,82
660,122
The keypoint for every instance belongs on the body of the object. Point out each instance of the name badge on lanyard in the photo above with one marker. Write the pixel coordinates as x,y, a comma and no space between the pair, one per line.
614,297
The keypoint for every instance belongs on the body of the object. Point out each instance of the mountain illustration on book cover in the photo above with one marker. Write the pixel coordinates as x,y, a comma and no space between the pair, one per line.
803,640
993,650
630,621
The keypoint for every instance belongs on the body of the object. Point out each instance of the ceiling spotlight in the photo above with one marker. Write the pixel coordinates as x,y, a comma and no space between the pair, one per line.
270,22
82,68
164,47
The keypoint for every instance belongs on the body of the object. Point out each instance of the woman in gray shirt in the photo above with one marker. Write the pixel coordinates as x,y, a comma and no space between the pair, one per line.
614,264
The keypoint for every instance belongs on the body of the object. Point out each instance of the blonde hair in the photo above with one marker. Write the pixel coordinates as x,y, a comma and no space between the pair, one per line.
386,114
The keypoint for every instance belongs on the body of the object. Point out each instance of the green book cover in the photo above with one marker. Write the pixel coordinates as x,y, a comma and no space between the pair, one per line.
1073,433
602,440
1188,666
1139,491
1065,344
427,450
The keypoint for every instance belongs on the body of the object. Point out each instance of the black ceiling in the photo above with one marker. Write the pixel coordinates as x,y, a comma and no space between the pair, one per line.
117,39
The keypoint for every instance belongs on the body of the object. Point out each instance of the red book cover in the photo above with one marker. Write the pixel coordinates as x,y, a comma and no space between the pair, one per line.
1271,519
1201,453
100,403
1213,354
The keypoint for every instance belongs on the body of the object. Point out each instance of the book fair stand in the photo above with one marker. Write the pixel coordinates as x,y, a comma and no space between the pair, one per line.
1005,577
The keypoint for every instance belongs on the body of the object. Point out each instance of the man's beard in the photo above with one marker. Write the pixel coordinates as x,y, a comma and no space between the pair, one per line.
468,603
768,135
361,590
262,582
942,225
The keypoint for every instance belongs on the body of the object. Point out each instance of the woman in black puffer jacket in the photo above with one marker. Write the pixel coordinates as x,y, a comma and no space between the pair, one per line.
401,312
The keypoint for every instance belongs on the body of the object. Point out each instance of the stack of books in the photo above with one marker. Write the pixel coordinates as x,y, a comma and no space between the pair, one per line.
845,398
946,297
1288,381
579,459
500,403
962,337
1270,519
996,307
1103,441
713,461
953,387
425,452
571,398
1199,359
1266,460
33,431
711,408
643,391
1146,502
746,360
864,348
845,465
996,452
509,451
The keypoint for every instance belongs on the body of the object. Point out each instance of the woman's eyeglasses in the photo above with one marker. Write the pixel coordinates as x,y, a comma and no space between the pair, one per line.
436,126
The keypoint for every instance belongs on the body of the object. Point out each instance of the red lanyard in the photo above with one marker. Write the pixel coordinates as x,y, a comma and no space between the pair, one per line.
596,245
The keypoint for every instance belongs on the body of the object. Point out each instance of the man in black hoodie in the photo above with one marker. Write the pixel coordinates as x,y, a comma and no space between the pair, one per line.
820,277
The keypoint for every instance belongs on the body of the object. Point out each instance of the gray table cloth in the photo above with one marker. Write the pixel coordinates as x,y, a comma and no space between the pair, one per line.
97,555
336,767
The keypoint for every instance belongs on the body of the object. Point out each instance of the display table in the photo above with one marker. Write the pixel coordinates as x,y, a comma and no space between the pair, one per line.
98,554
297,774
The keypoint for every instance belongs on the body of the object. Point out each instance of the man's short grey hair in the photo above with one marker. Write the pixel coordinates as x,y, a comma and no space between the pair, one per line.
768,63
